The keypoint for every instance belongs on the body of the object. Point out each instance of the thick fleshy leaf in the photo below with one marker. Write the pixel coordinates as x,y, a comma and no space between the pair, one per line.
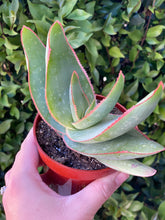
128,146
35,59
92,105
132,167
78,100
61,62
104,107
110,128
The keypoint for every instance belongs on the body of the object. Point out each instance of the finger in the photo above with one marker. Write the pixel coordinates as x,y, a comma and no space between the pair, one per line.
24,173
7,177
96,193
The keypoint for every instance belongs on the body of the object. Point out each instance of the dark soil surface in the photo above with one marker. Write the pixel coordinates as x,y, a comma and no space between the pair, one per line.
54,146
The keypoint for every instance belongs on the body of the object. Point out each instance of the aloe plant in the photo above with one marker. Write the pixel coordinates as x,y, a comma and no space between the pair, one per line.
64,97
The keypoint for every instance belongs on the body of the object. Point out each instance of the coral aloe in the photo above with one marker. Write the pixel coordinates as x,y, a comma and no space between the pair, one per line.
65,99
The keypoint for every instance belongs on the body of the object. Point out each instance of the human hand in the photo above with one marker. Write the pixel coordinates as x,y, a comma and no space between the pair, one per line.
28,197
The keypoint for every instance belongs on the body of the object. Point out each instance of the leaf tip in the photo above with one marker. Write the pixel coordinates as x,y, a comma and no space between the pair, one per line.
24,28
151,173
161,84
56,24
121,74
74,74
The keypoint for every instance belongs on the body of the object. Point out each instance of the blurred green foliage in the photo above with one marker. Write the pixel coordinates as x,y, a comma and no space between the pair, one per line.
107,36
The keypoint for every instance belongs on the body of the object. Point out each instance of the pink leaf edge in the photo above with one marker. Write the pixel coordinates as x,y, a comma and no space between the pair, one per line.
75,107
25,27
49,50
117,152
97,106
123,115
78,61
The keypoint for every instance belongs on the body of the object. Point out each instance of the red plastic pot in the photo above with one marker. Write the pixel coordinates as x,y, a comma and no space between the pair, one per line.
67,180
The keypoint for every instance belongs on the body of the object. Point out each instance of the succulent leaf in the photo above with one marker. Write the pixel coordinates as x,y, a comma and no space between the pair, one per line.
110,127
128,146
61,62
132,167
78,100
64,97
35,58
92,105
104,107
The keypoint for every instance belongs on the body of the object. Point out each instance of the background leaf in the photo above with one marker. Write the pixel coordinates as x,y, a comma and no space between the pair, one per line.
115,52
155,31
79,15
5,125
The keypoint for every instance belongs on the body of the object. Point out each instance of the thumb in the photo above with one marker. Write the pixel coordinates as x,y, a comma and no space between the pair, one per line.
96,193
26,161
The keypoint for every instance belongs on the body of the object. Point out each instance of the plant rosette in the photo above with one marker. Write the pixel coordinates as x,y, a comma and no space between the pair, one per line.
64,98
59,174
